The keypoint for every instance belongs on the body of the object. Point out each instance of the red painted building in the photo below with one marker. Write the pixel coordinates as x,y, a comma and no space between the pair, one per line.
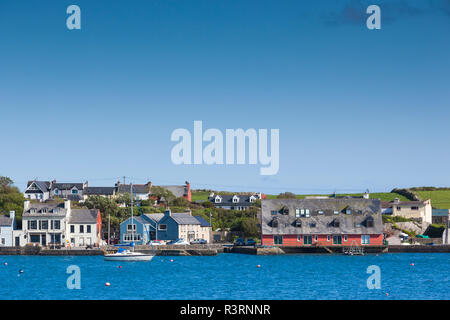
321,222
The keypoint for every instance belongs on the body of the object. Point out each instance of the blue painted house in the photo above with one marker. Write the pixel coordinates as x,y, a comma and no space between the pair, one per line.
168,226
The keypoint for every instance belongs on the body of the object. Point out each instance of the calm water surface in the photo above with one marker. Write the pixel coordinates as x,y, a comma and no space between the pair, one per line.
229,276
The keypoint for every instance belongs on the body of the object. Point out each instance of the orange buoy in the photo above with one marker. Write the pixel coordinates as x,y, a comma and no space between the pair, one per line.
387,294
412,264
258,266
107,284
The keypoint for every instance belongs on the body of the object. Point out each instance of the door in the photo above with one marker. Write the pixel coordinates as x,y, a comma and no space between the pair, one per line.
17,241
44,240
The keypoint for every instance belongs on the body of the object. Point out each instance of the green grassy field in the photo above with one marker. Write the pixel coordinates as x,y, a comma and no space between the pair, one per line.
199,195
439,198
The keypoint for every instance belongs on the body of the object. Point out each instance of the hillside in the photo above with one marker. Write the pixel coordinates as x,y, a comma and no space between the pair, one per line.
440,199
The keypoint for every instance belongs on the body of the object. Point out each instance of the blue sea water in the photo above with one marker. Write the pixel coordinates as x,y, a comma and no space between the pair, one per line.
229,276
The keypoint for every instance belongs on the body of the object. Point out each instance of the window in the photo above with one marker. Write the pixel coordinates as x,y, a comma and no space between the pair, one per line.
313,225
365,239
162,227
235,199
336,212
297,212
33,210
369,223
273,212
328,238
56,191
336,223
414,208
217,199
275,223
285,210
55,224
88,229
307,239
399,208
72,229
74,191
299,238
337,239
44,210
298,223
32,225
316,238
320,212
131,227
81,229
357,225
55,210
302,212
277,239
345,237
44,224
307,212
348,211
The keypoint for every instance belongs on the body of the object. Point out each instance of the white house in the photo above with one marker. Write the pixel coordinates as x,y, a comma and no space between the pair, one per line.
7,226
56,223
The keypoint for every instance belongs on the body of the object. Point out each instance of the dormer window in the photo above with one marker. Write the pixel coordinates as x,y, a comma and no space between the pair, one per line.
56,191
55,210
74,191
307,213
217,199
235,199
284,210
320,212
369,222
298,223
336,223
33,210
274,212
252,199
44,210
336,212
348,211
313,225
274,223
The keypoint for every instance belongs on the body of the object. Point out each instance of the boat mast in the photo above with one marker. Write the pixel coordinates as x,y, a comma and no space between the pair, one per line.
131,196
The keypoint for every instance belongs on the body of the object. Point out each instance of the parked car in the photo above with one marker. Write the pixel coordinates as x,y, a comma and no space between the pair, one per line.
178,241
199,241
155,242
239,242
251,242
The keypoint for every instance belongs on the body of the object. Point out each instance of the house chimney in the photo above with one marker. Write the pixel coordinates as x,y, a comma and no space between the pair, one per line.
67,204
167,213
188,211
396,200
26,205
12,214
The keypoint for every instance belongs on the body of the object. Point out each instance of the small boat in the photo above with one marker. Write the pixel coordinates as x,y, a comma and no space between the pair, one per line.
127,255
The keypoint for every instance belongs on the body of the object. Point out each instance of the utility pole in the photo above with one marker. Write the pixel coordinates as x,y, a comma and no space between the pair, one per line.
124,180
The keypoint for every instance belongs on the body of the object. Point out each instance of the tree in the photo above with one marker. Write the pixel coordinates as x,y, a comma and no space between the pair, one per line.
11,199
287,195
161,192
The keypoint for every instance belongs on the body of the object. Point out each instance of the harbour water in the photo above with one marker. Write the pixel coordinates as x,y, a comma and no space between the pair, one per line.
229,276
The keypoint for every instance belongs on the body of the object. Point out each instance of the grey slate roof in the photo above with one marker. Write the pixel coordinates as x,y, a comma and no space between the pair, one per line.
107,191
138,188
5,221
362,210
67,186
155,216
83,216
178,191
42,185
184,218
227,200
203,222
50,206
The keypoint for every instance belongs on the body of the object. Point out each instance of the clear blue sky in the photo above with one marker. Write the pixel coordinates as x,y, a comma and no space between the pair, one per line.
356,108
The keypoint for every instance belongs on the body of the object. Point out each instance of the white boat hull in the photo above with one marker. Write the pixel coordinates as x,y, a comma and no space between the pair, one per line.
128,257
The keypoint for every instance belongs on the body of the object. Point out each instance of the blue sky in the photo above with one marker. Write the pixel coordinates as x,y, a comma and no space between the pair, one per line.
356,108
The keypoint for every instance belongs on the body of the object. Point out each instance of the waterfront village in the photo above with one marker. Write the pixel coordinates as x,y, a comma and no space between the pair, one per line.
62,216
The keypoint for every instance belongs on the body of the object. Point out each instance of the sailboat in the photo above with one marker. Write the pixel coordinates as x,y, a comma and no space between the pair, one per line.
125,254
